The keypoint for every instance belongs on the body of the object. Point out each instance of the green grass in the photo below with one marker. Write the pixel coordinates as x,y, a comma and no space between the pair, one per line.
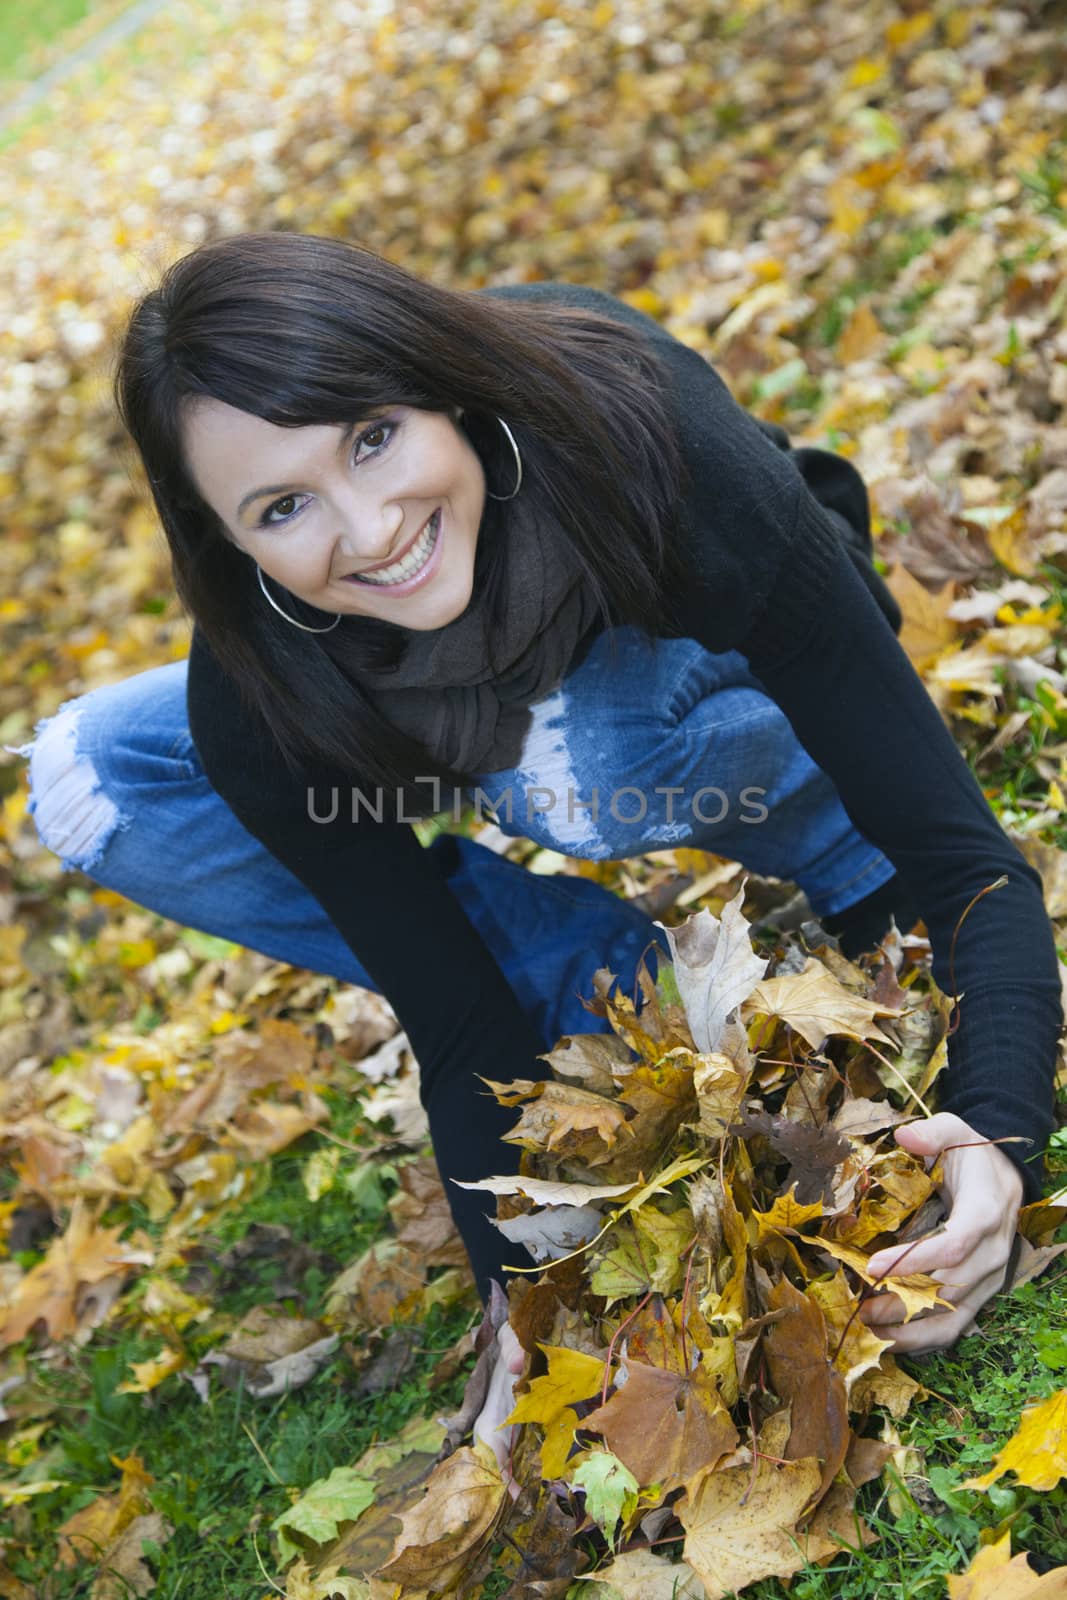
120,62
32,32
210,1479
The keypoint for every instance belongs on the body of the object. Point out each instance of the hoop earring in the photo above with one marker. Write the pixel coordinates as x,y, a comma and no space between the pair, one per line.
518,463
286,615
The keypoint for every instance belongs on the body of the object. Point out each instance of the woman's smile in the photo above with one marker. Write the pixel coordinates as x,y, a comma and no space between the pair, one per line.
416,566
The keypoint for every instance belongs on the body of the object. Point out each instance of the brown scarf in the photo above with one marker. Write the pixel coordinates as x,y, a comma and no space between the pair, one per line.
466,704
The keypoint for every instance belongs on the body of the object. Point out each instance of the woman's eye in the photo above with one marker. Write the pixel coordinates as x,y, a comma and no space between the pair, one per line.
378,427
366,437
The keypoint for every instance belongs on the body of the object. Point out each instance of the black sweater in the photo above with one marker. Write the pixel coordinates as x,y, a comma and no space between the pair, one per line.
776,541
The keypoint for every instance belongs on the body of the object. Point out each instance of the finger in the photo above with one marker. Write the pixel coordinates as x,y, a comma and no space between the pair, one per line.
928,1136
948,1249
924,1334
882,1309
937,1330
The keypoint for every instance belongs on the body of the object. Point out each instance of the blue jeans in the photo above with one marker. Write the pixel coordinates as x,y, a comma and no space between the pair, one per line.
660,745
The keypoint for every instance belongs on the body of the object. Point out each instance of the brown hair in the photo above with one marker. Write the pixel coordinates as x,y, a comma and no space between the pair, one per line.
299,329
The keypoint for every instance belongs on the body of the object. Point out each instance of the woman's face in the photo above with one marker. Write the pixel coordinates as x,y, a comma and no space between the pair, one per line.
380,520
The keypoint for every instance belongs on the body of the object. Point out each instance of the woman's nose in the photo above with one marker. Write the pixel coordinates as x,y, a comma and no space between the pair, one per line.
368,538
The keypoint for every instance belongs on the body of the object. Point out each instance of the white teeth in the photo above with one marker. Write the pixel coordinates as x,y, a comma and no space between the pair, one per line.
416,557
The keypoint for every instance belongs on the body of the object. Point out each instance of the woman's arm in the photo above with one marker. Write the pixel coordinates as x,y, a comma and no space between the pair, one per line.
385,895
860,709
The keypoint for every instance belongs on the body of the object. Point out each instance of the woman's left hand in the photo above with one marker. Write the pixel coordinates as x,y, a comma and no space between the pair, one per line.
970,1254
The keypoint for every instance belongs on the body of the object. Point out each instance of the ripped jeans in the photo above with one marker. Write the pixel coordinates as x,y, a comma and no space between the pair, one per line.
666,745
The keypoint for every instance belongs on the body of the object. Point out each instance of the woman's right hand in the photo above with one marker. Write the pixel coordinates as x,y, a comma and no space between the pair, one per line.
510,1359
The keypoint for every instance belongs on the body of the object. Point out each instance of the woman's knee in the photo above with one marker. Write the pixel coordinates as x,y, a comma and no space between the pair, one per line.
91,763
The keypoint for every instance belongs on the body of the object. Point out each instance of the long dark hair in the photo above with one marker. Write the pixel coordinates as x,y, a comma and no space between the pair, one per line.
300,329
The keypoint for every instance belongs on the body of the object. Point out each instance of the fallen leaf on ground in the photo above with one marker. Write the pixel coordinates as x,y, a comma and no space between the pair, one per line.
460,1503
739,1525
1037,1451
995,1574
667,1427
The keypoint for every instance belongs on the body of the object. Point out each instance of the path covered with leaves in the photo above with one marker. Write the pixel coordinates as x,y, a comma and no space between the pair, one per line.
234,1309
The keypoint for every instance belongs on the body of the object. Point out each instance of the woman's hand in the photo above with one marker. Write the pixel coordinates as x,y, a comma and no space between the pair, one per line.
510,1358
970,1254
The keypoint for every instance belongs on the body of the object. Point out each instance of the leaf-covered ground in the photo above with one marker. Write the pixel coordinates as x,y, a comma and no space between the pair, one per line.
233,1308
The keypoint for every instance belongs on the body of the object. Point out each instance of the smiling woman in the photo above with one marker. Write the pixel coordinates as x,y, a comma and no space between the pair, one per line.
521,541
345,528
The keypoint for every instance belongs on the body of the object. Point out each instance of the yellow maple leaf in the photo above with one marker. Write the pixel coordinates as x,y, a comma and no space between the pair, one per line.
927,629
916,1290
815,1004
995,1574
786,1214
572,1375
1037,1452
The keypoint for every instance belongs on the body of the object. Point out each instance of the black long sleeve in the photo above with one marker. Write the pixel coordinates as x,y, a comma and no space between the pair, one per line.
389,901
861,711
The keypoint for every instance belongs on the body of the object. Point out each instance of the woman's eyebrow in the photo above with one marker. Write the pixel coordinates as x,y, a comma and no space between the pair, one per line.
287,488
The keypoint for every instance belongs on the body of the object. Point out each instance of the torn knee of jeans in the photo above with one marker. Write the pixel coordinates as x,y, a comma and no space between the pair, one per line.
75,819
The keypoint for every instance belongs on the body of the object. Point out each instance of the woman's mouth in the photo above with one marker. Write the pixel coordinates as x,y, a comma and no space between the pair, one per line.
415,565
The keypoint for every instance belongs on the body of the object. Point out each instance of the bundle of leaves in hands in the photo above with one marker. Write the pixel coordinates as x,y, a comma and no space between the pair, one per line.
702,1189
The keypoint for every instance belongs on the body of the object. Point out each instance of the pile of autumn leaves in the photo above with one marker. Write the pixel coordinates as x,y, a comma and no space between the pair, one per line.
703,1188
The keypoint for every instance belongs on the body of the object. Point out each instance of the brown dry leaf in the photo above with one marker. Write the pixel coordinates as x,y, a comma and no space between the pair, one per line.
98,1525
1037,1451
862,336
544,1551
122,1569
927,629
461,1500
816,1005
422,1218
661,1096
720,1088
802,1376
272,1352
886,1385
738,1531
278,1053
903,1177
642,1575
56,1289
875,1217
814,1154
859,1117
262,1128
399,1467
369,1291
938,546
595,1061
1051,863
667,1427
1039,1221
572,1123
